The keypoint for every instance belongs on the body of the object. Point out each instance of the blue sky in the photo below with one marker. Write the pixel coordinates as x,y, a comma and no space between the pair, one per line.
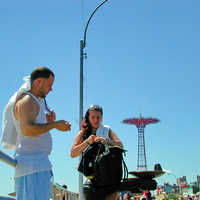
142,56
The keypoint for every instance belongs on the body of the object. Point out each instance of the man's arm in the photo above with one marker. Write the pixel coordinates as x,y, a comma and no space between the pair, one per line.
26,111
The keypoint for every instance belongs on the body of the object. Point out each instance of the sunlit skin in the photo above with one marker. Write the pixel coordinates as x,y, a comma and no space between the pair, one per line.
95,119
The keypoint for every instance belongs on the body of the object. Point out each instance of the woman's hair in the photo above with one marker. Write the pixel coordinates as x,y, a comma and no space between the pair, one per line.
42,72
88,131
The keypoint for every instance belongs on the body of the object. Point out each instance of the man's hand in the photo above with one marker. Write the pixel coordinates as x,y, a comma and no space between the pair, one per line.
51,117
63,125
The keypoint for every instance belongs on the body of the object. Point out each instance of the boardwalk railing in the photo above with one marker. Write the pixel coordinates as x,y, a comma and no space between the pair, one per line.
58,192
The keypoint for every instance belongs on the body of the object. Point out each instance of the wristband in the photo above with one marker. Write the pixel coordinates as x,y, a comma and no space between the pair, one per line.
108,140
87,141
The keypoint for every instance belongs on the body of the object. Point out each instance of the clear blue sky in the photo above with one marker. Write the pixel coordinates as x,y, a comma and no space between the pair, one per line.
143,55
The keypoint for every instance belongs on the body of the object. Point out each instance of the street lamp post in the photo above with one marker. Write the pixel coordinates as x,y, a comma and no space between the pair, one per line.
176,182
162,188
162,180
82,54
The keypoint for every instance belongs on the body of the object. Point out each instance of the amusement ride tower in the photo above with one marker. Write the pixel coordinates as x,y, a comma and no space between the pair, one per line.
140,123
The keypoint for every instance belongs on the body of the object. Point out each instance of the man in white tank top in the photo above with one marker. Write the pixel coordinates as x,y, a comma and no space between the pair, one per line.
33,143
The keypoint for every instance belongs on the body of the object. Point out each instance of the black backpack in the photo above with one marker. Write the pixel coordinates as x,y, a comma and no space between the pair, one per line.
103,163
86,165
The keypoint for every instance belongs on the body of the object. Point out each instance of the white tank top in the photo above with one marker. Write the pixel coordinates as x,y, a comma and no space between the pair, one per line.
31,152
103,131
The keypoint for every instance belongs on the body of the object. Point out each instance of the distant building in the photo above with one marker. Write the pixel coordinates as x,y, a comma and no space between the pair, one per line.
191,188
198,181
182,181
181,187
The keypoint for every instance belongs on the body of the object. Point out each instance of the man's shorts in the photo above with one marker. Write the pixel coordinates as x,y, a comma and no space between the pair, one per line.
35,186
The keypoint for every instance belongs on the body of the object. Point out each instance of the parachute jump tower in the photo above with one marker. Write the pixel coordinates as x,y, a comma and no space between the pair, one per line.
141,123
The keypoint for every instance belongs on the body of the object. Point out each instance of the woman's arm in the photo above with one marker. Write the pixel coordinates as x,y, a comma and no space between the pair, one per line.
114,140
79,145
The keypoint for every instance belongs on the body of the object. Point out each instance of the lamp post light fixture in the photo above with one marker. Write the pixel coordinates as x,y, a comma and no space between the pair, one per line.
163,188
176,182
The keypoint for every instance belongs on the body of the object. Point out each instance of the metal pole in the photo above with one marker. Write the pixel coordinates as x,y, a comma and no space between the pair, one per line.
7,159
81,113
82,46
